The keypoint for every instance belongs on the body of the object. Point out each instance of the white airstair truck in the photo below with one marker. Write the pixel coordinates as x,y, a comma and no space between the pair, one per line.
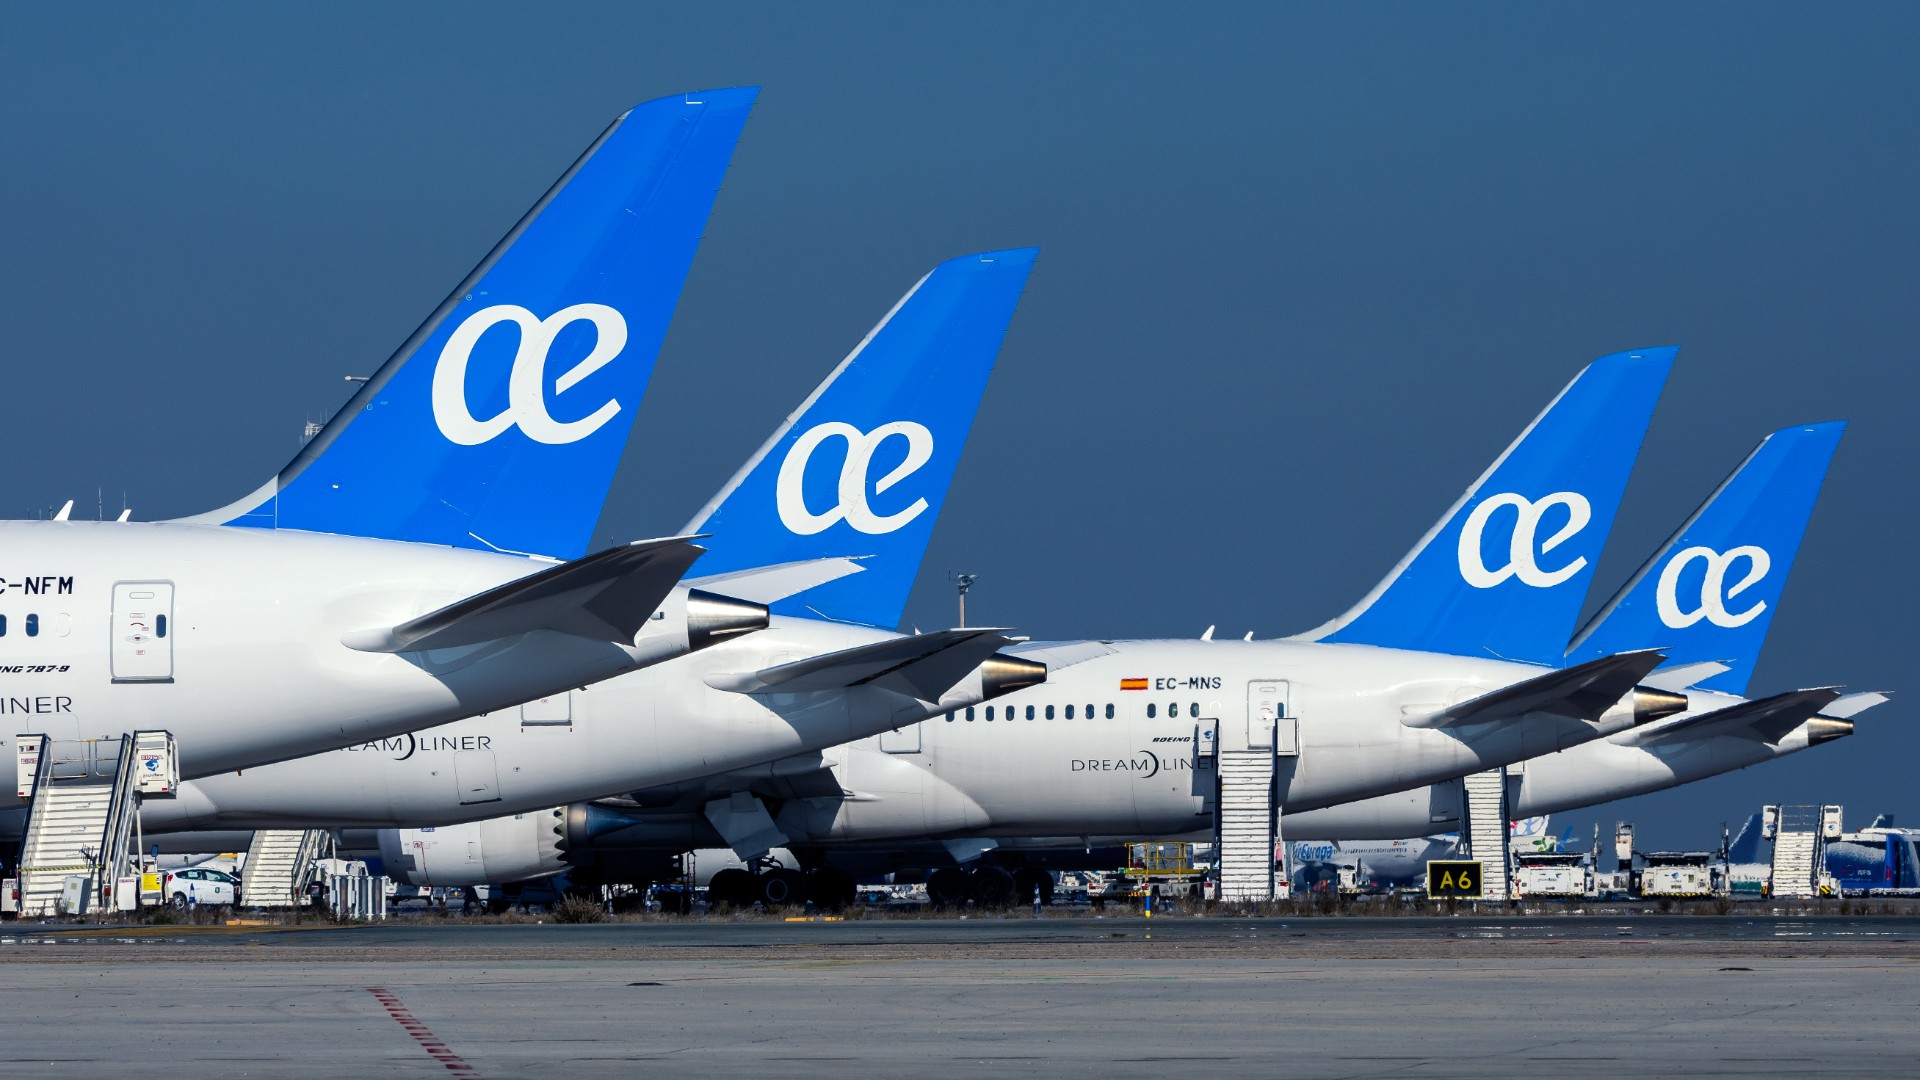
81,851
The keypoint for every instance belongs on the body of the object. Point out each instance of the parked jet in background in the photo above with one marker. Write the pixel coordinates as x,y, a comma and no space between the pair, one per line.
845,490
402,571
1124,735
1708,597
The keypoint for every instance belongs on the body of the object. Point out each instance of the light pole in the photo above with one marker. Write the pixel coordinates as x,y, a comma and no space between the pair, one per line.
964,582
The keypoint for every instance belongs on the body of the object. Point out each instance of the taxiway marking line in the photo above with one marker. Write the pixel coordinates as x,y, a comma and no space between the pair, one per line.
428,1041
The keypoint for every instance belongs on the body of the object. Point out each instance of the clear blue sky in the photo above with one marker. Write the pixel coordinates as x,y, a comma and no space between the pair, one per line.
1305,271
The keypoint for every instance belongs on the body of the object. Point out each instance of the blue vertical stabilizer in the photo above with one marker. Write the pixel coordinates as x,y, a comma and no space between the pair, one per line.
862,467
1505,571
1710,592
500,422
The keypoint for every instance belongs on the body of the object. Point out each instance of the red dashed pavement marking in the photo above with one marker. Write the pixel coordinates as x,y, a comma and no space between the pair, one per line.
412,1026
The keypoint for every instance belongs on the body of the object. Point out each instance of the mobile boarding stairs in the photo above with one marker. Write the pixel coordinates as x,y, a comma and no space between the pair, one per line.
80,855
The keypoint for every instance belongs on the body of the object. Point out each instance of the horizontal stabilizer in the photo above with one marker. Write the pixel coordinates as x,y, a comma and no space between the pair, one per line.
606,596
1854,704
1062,654
1681,677
924,666
1767,719
1582,692
765,584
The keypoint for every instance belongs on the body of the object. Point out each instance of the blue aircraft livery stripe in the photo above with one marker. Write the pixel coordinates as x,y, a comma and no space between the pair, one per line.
863,466
504,431
1710,592
1505,572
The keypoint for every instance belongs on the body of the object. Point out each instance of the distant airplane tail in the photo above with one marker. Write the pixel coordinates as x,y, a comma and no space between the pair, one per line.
1745,848
504,431
1709,594
1505,571
1530,834
863,466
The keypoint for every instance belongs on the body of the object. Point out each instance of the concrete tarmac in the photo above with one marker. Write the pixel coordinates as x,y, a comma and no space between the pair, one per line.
1417,997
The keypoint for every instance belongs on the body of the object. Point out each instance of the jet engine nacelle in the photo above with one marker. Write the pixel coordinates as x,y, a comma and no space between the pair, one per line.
504,849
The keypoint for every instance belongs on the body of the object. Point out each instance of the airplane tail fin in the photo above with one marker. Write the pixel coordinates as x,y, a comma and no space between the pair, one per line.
862,467
1710,592
1505,571
498,424
1746,843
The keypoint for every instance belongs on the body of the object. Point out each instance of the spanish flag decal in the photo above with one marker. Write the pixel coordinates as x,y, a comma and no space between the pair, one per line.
1133,684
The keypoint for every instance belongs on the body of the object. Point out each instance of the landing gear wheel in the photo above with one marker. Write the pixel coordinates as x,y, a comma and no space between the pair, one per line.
732,888
829,889
782,888
990,886
947,887
1029,883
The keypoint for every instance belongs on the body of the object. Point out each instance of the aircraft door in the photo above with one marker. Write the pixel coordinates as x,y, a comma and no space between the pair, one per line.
142,631
1268,726
476,776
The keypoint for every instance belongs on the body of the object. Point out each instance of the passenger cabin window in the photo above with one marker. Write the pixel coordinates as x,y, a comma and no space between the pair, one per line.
969,714
1109,710
1149,712
33,626
1069,712
1173,710
3,626
1029,712
159,626
989,714
1049,712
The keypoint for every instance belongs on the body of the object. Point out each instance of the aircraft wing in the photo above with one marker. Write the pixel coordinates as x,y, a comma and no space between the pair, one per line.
606,596
765,584
924,666
1852,705
1582,692
1683,677
1767,719
1061,654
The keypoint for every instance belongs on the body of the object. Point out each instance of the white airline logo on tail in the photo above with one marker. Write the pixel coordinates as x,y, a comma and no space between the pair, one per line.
790,497
526,385
1714,592
1526,548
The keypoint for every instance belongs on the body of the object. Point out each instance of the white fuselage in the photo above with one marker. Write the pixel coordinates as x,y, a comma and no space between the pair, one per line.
1123,766
231,639
663,724
1060,782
